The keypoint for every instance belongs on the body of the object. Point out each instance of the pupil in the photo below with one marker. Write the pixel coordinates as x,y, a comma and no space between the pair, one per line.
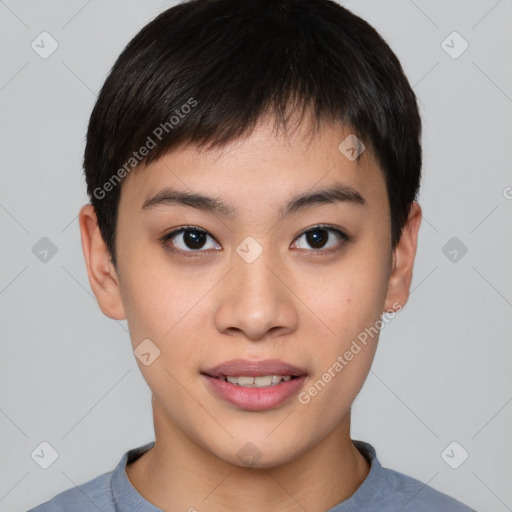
194,239
317,238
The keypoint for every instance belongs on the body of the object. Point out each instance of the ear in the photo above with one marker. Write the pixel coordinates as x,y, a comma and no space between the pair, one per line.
403,259
102,275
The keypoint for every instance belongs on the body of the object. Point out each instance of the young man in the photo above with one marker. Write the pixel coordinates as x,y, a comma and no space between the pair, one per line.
253,168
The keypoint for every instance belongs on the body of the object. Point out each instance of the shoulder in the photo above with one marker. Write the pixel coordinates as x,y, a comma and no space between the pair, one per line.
90,496
386,490
416,496
103,492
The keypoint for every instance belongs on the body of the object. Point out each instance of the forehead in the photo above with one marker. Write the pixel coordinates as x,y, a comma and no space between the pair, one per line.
264,166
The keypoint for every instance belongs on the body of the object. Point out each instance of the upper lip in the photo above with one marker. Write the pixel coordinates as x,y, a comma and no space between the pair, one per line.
237,367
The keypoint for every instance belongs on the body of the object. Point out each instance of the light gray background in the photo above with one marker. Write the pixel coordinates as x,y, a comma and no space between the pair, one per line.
442,371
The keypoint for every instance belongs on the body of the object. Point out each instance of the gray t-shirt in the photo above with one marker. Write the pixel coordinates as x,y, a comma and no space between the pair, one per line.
383,490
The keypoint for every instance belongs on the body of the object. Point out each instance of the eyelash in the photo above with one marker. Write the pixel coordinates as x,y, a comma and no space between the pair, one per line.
202,252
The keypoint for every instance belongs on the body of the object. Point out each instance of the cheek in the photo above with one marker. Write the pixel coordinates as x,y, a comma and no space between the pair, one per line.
165,310
153,290
347,298
349,302
351,306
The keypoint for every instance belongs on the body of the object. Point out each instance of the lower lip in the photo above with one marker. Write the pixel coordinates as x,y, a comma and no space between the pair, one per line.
255,399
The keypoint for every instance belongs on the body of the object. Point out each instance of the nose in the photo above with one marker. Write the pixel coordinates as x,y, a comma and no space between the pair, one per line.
256,302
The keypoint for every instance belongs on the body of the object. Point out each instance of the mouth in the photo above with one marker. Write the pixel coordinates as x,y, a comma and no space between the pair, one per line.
263,381
255,385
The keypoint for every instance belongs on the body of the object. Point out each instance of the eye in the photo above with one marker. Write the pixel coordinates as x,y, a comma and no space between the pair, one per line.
194,240
323,239
190,239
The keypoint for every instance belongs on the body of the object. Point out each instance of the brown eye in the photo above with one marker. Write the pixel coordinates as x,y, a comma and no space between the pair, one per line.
322,239
189,239
194,239
317,238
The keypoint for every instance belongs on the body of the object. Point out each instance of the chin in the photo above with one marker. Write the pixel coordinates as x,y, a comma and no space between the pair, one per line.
259,454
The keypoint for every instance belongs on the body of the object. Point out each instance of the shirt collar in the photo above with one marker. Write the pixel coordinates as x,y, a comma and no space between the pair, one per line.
126,497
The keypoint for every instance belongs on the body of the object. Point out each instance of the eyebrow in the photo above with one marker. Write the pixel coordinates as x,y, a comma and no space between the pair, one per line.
338,193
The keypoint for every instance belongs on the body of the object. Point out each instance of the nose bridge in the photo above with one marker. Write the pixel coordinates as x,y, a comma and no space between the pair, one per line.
255,300
252,274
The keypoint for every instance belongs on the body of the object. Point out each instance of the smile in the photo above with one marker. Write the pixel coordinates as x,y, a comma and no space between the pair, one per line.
255,385
263,381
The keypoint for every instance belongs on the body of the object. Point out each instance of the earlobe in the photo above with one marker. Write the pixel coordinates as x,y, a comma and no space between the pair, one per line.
403,261
102,275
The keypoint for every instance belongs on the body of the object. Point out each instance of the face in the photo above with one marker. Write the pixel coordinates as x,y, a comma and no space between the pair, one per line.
256,281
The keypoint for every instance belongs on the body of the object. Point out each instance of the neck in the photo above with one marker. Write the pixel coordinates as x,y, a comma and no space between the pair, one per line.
177,474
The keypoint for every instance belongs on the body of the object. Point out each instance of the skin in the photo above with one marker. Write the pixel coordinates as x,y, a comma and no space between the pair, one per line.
288,304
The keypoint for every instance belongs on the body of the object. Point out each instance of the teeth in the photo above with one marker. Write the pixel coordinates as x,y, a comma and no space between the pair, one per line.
244,381
267,380
262,381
